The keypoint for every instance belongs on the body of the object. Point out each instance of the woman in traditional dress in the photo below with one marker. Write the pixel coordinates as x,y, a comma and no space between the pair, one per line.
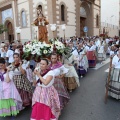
101,52
71,79
4,52
28,70
23,85
59,71
114,86
45,101
82,61
10,100
112,51
91,54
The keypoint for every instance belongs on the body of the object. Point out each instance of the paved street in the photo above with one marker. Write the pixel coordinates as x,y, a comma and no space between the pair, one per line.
87,102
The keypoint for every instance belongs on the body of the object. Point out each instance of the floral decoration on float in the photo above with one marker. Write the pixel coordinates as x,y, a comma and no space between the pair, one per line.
35,49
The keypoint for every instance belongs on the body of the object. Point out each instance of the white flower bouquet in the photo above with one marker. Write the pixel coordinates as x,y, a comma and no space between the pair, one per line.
37,49
58,45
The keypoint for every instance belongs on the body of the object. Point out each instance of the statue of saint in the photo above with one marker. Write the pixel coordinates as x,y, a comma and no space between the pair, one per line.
41,22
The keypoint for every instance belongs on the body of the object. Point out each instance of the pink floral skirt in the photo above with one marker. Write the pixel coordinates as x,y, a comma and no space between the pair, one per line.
45,103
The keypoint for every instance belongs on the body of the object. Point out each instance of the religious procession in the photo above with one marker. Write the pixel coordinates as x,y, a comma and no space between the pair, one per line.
41,74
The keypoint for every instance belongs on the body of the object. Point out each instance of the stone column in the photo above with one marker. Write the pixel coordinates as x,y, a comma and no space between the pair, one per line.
2,35
100,17
51,16
31,15
16,13
14,19
92,21
77,17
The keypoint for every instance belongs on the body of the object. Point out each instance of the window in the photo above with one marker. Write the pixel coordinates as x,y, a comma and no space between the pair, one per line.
83,12
62,13
97,21
24,22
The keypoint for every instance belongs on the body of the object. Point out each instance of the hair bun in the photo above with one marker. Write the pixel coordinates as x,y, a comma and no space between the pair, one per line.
2,60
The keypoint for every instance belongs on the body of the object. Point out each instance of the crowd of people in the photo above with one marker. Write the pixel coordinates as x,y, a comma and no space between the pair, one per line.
46,84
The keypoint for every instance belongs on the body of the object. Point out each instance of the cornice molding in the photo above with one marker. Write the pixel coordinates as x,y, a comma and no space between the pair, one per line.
4,2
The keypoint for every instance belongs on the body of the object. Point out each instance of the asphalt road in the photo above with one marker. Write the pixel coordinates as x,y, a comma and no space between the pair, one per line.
87,102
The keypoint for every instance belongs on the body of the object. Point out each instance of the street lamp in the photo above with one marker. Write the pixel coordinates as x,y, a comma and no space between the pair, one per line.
63,28
18,31
36,31
53,28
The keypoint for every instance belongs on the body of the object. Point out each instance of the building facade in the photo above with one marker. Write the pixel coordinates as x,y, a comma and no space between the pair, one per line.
110,29
76,14
110,17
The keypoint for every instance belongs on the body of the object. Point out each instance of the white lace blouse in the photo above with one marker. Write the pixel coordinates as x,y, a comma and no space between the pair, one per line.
60,70
50,73
116,62
17,71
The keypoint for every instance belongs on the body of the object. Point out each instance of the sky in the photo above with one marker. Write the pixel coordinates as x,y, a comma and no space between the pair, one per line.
110,11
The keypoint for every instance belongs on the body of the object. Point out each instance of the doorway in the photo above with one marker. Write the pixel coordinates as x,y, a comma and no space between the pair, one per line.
10,32
82,25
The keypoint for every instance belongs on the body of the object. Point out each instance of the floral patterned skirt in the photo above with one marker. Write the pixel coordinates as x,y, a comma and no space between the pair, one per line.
62,92
24,88
45,103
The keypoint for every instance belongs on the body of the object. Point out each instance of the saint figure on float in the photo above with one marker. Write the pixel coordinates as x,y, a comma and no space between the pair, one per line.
41,22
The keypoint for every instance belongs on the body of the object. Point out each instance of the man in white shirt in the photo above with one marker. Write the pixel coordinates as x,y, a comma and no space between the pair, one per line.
117,42
10,53
97,42
107,40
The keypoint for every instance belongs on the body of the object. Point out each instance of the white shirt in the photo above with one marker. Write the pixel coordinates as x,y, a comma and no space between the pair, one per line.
50,73
3,53
101,49
117,42
116,62
97,43
10,56
17,51
17,70
86,48
60,70
107,41
75,52
111,53
92,48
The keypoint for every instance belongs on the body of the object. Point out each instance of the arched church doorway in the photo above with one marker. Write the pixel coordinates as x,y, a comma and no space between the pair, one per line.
83,17
10,31
86,18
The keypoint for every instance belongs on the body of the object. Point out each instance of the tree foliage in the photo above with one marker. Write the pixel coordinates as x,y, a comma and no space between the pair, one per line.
2,28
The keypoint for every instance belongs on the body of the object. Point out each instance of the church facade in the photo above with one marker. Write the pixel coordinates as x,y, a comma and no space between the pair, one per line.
75,14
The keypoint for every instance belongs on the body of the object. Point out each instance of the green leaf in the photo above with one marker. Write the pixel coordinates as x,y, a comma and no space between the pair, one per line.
2,28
